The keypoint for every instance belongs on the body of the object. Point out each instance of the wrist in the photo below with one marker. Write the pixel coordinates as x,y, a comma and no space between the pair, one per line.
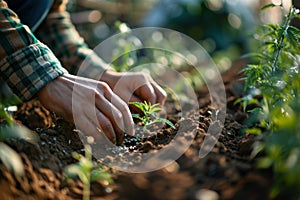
110,77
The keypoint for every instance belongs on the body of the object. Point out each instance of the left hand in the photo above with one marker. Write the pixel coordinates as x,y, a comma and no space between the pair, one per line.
134,86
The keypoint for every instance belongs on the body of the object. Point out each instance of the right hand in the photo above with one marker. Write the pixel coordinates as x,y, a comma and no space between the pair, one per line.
99,107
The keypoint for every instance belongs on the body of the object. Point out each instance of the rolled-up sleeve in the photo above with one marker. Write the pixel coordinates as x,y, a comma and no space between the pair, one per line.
26,64
58,32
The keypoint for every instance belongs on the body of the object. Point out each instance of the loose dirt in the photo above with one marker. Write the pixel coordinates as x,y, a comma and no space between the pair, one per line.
227,172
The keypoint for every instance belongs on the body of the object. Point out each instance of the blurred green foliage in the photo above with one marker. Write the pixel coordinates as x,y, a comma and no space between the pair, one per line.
87,170
10,131
220,26
276,75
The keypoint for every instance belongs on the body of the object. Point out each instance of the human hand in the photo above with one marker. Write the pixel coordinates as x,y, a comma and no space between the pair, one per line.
99,107
134,86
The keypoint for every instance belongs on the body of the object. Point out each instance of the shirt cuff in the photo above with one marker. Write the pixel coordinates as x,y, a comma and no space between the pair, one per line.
28,70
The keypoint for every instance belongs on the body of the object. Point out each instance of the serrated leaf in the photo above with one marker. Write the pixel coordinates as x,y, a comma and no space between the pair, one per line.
11,160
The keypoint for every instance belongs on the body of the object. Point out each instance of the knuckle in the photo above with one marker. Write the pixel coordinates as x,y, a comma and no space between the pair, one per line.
123,108
104,86
163,94
98,95
143,75
119,116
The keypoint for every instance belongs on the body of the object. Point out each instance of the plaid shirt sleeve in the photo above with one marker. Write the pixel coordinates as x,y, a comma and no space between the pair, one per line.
26,64
58,32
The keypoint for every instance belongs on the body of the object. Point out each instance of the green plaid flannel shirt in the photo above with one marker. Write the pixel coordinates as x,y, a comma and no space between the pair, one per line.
26,62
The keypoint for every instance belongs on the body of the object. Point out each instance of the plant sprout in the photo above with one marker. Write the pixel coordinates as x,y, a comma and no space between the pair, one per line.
87,171
149,114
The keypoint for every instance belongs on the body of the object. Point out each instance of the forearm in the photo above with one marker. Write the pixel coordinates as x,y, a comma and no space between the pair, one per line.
26,65
61,36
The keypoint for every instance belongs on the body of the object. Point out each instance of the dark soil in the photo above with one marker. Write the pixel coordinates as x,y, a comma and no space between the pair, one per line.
227,172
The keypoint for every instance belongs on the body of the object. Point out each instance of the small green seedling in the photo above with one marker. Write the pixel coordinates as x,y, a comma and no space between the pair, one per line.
9,130
87,171
150,115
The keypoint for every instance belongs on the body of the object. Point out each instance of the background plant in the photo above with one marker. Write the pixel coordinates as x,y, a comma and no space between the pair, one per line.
276,76
126,43
9,130
88,171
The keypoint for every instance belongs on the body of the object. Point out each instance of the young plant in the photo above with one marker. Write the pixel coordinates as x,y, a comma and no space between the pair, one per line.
8,131
7,99
87,171
276,76
149,115
124,55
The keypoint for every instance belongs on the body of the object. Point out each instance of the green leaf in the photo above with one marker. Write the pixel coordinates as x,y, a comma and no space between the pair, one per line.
6,116
253,55
7,98
101,174
19,132
135,115
85,164
268,6
72,171
139,105
154,108
11,160
76,155
272,27
265,162
255,131
293,35
150,111
165,121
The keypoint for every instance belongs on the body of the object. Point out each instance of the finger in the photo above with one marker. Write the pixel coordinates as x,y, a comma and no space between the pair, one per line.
161,94
98,120
107,127
113,114
122,107
133,108
89,127
146,93
126,114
